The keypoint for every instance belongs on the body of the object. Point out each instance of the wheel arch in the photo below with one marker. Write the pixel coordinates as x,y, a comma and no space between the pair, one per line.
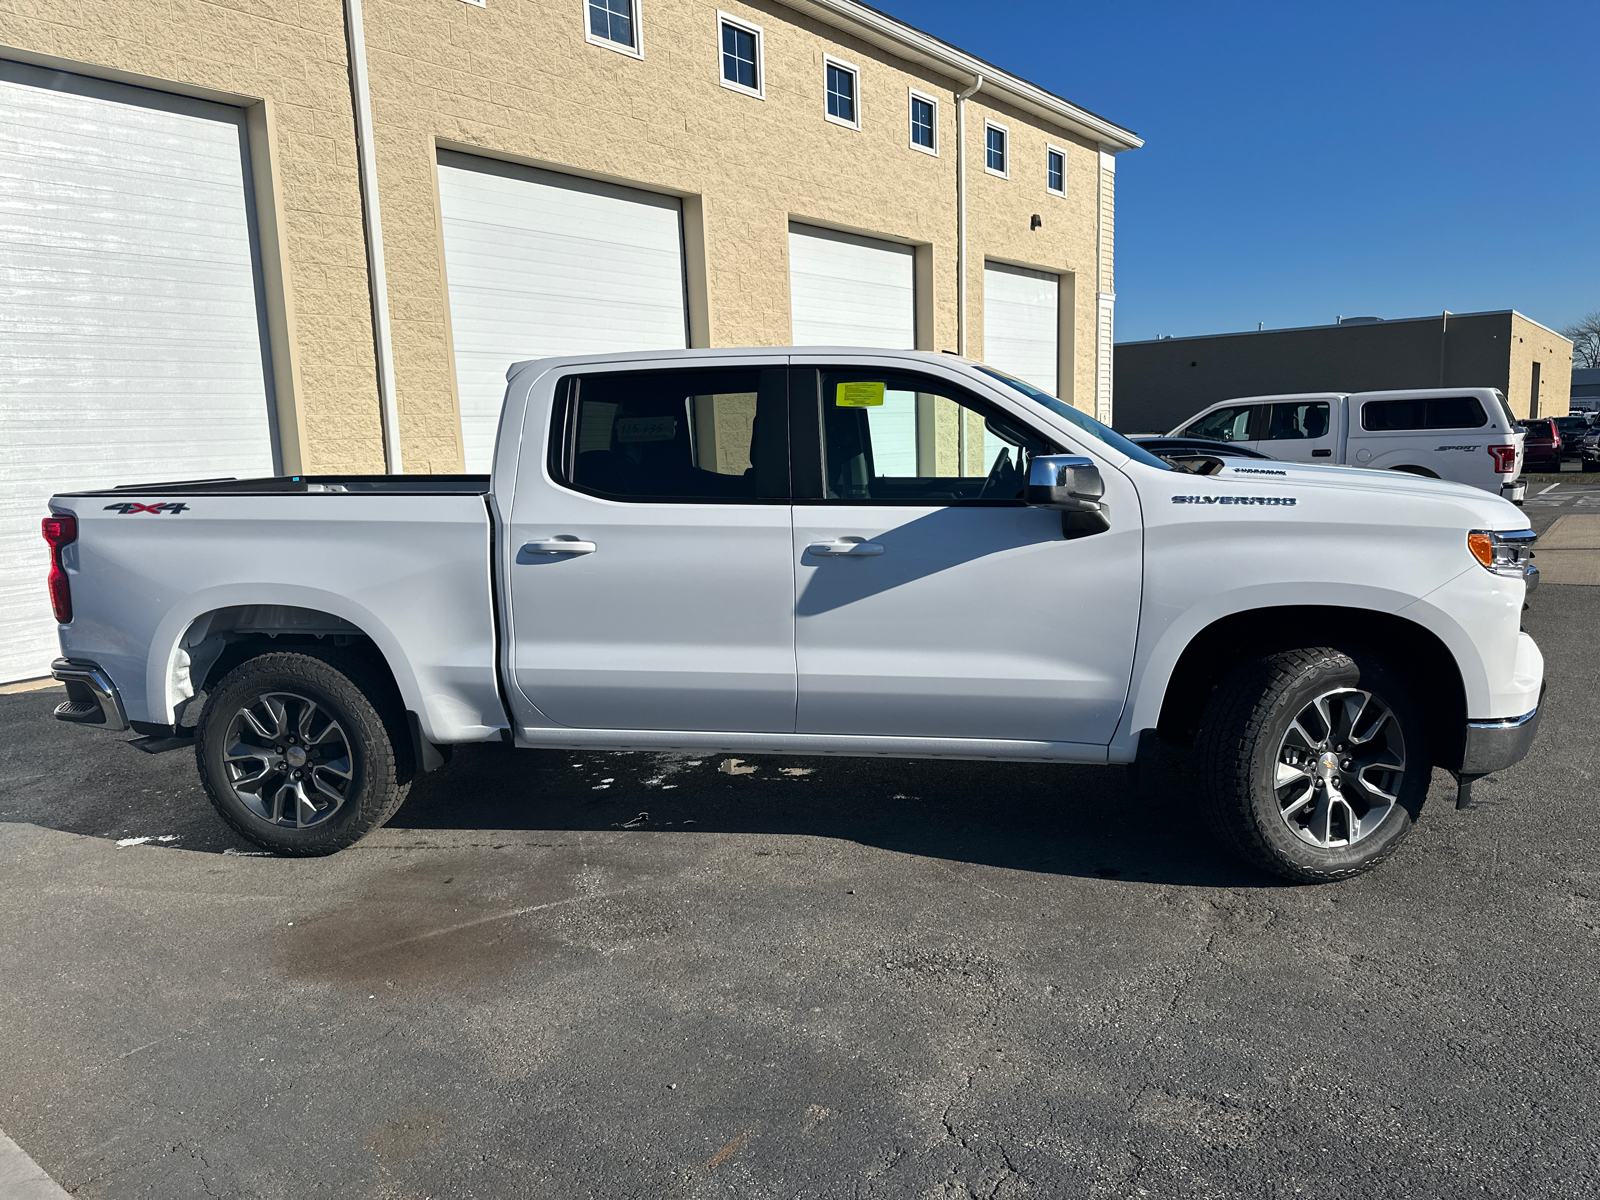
1415,652
214,642
1412,469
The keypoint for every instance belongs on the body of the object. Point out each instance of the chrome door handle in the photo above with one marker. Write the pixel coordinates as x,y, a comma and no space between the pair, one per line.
845,548
559,546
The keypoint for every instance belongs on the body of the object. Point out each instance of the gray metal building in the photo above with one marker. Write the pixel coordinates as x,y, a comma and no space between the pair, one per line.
1160,382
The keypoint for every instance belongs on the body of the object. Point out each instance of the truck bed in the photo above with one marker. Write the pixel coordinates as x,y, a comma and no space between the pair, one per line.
164,576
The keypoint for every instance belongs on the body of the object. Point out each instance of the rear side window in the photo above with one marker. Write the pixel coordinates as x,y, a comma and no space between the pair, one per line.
1298,421
675,436
1224,425
1454,412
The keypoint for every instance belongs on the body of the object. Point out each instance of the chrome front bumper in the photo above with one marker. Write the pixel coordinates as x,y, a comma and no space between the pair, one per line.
92,698
1492,746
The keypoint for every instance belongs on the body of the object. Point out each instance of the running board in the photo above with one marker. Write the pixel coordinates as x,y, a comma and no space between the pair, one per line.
848,745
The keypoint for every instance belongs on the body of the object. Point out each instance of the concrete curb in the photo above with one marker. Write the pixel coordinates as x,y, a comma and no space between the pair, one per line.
23,1179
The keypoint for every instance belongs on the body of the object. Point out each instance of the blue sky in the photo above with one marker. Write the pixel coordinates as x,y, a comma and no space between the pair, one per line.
1306,160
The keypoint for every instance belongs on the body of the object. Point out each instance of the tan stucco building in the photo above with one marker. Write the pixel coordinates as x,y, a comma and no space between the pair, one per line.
353,238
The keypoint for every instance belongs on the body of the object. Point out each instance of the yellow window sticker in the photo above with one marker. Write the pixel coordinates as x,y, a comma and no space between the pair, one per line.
858,395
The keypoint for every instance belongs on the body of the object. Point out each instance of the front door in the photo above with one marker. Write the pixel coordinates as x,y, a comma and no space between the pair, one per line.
930,600
651,586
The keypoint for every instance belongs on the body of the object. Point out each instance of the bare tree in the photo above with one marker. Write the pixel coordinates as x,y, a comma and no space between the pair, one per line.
1585,335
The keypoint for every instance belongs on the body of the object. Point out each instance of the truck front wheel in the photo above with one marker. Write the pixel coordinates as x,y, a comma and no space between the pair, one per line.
299,753
1314,762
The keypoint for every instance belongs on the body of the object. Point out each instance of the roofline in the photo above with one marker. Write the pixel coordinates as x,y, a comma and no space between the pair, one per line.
1542,326
909,42
1200,337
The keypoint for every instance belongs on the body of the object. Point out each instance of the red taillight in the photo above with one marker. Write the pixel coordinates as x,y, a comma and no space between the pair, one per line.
1505,459
60,529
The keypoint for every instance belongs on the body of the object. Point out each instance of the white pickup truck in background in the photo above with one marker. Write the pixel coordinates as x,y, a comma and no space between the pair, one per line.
812,551
1464,435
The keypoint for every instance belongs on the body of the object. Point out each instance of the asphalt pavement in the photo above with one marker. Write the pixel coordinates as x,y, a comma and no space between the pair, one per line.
643,975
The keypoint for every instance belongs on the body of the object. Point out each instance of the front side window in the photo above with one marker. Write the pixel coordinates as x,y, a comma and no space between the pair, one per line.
675,436
1456,412
1231,424
741,56
1055,172
613,21
842,104
1299,420
910,439
923,123
995,145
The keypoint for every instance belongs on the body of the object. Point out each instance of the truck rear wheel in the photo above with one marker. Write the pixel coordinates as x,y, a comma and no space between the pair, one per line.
1314,763
301,754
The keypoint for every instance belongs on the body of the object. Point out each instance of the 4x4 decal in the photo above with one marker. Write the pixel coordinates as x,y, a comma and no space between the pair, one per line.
131,507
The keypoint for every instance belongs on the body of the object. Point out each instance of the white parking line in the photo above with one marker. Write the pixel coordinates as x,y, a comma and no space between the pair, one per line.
1551,488
23,1179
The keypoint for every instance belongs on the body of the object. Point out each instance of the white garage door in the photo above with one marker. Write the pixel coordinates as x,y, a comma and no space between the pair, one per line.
131,337
541,264
1021,323
846,290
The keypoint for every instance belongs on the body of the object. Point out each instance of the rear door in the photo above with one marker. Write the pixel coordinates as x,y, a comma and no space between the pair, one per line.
1300,429
651,586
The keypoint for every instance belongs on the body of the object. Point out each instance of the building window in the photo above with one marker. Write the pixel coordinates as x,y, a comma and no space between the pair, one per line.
924,123
614,23
741,55
995,146
1055,171
844,101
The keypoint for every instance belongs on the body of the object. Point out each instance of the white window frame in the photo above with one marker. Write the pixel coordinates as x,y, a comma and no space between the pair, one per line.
1005,132
927,99
829,60
1049,149
634,51
760,90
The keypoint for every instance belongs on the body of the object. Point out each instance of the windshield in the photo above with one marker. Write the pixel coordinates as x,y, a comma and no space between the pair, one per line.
1080,420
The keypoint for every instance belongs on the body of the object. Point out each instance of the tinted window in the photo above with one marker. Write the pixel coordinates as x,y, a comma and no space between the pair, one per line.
1456,412
676,435
995,145
739,56
1055,171
841,93
912,439
1298,420
1231,424
922,122
612,20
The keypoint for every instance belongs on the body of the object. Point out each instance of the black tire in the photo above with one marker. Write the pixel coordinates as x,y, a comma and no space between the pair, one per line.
1590,464
1247,726
345,797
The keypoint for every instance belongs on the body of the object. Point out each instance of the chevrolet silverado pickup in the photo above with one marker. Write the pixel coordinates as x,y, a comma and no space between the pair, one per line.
812,551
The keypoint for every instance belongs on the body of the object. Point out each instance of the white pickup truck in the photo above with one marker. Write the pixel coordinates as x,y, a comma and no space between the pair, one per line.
812,551
1464,435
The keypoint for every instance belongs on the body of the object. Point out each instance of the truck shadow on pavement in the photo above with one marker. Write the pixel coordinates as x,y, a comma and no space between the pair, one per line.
1069,820
1065,820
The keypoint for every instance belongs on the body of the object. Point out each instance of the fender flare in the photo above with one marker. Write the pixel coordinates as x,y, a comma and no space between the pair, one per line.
160,669
1156,660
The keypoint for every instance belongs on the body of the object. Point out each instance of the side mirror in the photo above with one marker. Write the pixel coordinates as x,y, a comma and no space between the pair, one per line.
1072,485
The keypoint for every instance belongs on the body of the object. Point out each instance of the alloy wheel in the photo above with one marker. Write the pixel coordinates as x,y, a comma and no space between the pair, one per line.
288,760
1339,768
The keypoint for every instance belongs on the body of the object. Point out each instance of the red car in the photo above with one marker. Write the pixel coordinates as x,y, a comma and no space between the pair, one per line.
1541,449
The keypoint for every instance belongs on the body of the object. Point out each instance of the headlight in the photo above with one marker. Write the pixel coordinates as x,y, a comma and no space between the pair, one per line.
1503,553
